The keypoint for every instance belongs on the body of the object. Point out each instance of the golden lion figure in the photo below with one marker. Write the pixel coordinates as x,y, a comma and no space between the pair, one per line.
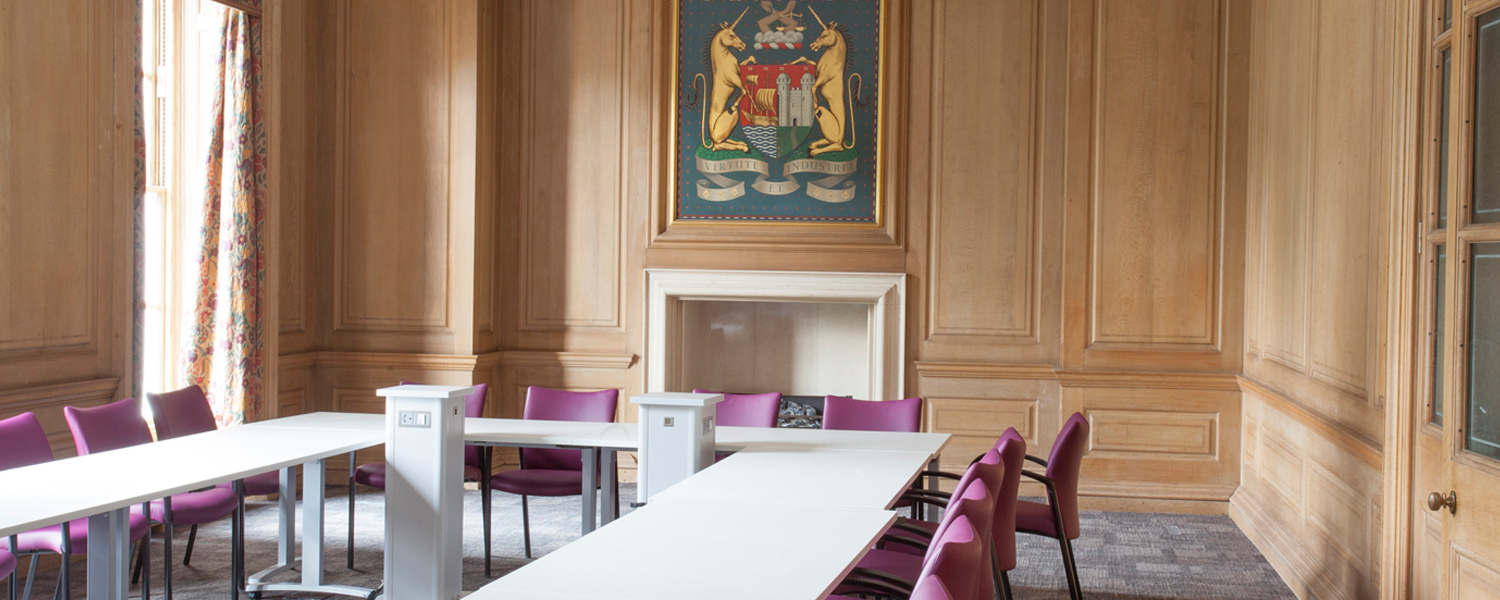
720,114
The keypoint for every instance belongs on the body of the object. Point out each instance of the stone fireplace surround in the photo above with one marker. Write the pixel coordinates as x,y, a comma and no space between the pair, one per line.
883,293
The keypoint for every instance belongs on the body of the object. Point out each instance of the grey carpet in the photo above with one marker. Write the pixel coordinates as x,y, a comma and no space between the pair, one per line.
1121,556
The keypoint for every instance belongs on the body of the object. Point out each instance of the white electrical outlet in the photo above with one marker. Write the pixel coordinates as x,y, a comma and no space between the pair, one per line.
414,418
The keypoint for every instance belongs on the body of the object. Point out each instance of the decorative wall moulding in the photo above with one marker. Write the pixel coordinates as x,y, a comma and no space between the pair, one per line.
21,400
883,293
572,360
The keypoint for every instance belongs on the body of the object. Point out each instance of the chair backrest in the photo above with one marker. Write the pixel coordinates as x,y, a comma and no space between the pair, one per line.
181,412
970,499
956,560
840,412
989,473
23,442
113,426
972,511
746,410
1063,465
1012,452
557,405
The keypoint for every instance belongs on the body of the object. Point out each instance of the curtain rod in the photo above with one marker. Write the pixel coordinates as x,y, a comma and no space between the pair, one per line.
241,6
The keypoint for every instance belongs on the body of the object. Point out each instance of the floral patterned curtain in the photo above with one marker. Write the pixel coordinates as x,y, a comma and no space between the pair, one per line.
225,336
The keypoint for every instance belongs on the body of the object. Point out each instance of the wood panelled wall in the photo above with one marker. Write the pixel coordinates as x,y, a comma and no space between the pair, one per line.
1314,382
1075,234
67,173
1066,197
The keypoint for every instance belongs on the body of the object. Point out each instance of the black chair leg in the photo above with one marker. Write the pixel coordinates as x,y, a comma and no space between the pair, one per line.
1005,593
350,551
145,554
526,525
187,554
1075,587
135,571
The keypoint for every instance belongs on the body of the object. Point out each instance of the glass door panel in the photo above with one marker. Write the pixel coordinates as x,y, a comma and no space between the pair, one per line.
1483,435
1486,124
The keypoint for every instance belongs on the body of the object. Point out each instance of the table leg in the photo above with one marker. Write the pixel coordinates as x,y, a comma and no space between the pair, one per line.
313,482
610,475
590,488
109,555
312,523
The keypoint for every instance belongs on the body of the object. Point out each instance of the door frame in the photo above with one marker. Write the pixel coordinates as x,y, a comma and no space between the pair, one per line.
1403,295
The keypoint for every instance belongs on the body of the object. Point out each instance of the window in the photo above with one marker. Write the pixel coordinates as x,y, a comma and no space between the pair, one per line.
179,40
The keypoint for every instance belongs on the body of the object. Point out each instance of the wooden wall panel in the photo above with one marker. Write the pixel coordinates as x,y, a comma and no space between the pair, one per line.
572,196
65,194
1284,49
1311,493
1345,179
1154,240
66,208
391,235
1165,437
1156,203
1310,501
985,211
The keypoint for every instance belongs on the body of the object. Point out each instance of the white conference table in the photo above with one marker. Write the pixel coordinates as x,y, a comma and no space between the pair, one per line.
864,479
688,550
603,441
104,486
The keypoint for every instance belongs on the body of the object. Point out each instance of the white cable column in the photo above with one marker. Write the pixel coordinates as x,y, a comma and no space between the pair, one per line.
677,438
424,488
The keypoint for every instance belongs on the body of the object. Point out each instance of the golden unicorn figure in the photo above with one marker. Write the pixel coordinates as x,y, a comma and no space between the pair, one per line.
718,119
832,119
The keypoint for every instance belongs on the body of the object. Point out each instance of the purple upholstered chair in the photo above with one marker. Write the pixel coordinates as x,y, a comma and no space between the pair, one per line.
1061,481
746,410
476,464
974,502
23,442
186,412
840,412
547,472
948,574
120,425
1010,453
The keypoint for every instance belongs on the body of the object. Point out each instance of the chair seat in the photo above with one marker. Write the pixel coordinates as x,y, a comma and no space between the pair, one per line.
539,482
373,475
900,564
7,564
197,508
1035,516
50,538
927,525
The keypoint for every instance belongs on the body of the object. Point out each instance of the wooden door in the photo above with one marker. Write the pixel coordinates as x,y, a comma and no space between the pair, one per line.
1466,297
1433,251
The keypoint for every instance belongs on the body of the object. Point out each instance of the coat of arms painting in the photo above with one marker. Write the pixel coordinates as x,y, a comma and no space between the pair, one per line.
778,111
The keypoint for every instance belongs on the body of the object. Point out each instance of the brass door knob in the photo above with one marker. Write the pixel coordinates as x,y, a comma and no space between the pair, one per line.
1436,502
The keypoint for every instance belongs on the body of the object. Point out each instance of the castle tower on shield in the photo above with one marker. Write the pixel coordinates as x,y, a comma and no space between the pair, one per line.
794,105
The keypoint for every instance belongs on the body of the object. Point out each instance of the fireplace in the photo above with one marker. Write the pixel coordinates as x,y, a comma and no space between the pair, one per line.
799,333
